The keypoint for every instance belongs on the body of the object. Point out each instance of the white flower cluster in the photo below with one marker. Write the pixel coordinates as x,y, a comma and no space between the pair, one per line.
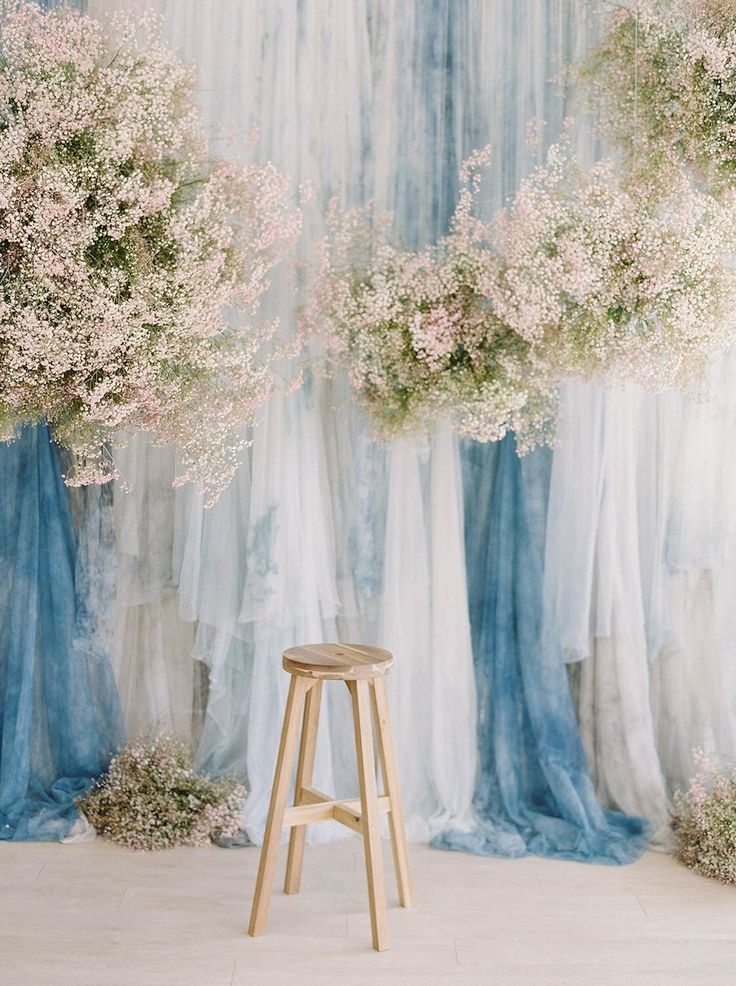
130,263
151,798
610,281
580,276
664,77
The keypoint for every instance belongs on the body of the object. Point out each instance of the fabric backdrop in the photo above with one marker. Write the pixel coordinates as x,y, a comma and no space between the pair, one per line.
612,555
60,718
326,532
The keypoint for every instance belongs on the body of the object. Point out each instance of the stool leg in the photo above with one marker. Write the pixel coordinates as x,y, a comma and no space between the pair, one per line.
387,757
279,795
305,767
359,690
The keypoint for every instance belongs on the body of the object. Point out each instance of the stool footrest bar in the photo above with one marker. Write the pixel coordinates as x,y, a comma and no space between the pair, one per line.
322,810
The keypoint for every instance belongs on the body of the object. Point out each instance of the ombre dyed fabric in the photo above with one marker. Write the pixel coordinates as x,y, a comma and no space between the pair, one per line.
59,716
534,794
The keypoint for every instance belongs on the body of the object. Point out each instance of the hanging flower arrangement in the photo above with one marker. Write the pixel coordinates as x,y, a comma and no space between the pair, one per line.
131,263
609,282
665,80
580,276
420,341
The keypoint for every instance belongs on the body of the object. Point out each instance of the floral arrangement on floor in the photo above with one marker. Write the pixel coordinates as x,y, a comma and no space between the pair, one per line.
151,798
580,275
706,822
665,80
131,263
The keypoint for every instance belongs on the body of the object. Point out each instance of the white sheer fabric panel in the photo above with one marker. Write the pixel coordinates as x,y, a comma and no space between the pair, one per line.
152,643
325,532
594,582
423,612
313,538
259,569
640,562
692,671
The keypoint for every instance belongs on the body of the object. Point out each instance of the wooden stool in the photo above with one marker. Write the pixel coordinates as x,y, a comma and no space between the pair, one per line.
362,669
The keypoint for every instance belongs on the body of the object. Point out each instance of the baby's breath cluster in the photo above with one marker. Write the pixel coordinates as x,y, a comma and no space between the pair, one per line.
579,276
608,281
665,80
130,262
151,798
706,821
420,341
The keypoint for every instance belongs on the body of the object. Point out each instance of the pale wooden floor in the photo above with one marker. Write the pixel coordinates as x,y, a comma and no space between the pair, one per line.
94,915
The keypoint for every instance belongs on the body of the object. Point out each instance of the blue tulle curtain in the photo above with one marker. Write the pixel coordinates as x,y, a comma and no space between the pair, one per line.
59,715
534,793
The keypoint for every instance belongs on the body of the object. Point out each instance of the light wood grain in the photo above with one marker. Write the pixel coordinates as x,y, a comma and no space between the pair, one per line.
337,662
390,771
269,853
311,796
482,921
325,811
304,771
359,691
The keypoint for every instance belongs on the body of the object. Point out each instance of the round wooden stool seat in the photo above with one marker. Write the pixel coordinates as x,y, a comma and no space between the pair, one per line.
337,662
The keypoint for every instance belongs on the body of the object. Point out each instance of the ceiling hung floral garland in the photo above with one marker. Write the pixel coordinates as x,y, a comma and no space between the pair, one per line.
580,277
124,247
584,275
664,83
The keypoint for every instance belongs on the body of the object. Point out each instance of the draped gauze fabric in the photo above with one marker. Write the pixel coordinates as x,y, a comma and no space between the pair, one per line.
324,533
646,609
424,616
59,714
534,792
600,551
157,687
639,575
